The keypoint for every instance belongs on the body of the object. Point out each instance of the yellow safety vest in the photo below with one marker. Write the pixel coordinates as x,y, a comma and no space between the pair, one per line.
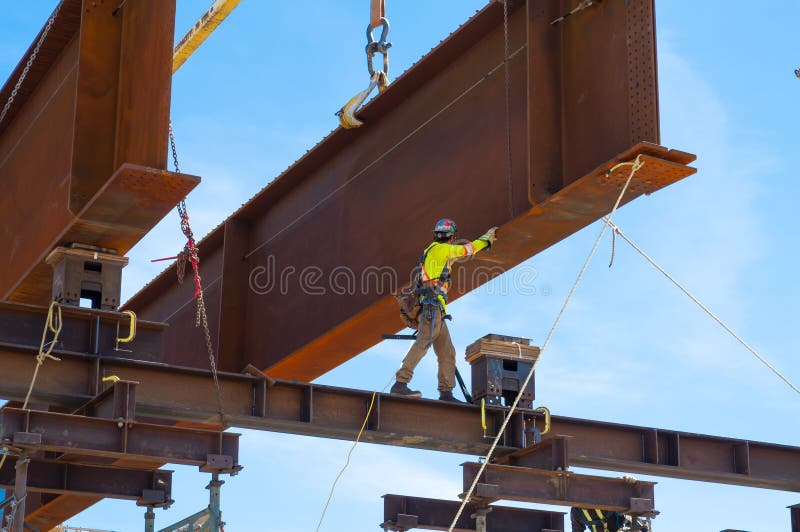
439,257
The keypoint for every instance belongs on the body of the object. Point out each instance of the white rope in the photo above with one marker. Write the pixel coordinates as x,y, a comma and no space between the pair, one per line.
701,305
52,324
635,166
350,453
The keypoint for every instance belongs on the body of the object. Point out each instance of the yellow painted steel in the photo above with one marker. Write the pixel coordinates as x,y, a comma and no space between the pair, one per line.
190,42
132,331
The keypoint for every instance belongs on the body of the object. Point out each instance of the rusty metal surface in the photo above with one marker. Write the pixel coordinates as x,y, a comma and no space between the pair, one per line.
569,124
551,455
84,330
97,102
49,476
64,28
85,436
117,217
55,511
435,514
560,488
186,395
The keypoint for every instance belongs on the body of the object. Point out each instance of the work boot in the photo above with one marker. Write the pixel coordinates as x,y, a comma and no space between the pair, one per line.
401,388
448,396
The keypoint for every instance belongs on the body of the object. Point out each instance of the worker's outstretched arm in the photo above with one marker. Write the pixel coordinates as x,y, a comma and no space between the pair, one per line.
464,250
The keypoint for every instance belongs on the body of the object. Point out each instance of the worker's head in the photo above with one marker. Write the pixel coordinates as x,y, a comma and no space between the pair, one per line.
445,230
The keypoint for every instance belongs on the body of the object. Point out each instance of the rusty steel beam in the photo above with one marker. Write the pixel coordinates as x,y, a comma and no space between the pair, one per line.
523,484
583,97
187,394
98,437
96,101
403,513
795,515
48,476
551,455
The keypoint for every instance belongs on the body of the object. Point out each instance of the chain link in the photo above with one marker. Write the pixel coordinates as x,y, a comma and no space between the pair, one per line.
12,512
29,63
191,254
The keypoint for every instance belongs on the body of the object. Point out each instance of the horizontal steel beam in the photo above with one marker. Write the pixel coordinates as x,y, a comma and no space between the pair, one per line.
401,513
187,394
146,487
111,438
561,488
583,96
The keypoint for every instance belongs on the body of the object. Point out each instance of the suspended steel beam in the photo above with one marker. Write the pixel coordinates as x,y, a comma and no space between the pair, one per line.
48,476
300,257
523,484
406,513
96,100
204,27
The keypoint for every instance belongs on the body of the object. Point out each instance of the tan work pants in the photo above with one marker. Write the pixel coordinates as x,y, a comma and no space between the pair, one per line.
431,331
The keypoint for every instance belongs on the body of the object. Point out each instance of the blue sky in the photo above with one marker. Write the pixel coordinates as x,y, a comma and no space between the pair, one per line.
630,349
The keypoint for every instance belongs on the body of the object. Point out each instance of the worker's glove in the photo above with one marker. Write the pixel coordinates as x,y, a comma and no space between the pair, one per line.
489,237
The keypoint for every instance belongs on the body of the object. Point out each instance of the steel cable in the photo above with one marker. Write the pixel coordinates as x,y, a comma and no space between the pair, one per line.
402,141
705,309
635,166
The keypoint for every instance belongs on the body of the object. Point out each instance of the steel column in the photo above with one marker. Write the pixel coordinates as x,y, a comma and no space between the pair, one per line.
149,520
20,493
214,503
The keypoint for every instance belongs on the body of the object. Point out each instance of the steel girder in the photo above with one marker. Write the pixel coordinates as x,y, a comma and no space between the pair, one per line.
83,147
50,476
254,401
523,484
406,513
344,225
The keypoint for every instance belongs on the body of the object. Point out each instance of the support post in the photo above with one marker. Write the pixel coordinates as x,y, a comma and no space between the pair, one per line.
20,491
795,512
480,517
214,508
149,520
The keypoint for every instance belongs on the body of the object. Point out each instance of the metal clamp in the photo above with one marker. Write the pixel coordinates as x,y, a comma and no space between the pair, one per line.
378,47
131,332
546,411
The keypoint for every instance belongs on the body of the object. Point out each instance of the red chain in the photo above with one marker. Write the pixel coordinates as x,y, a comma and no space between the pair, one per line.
190,253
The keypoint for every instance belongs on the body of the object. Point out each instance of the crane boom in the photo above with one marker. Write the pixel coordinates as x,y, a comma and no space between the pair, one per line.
210,20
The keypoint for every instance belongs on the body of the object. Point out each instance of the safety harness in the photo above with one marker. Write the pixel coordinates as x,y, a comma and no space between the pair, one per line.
430,291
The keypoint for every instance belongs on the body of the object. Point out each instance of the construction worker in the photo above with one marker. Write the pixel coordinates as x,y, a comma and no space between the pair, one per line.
434,280
597,520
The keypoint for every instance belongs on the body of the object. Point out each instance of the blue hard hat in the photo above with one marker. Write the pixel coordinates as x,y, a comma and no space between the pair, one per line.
445,225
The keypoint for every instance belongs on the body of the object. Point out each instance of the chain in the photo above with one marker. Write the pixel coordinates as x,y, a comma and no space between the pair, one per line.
191,254
202,318
506,61
12,511
28,65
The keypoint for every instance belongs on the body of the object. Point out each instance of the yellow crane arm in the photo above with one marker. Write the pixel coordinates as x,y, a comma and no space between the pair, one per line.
190,42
